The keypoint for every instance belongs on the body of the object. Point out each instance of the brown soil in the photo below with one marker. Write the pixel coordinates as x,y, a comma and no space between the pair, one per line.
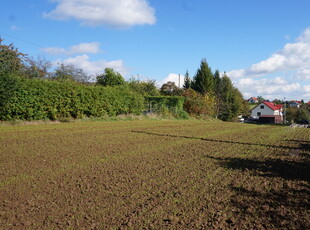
154,175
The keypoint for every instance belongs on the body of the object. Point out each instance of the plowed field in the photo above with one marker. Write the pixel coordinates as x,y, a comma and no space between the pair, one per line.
154,175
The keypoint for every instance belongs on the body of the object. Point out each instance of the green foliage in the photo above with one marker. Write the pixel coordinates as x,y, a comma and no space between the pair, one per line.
110,78
36,99
166,105
231,102
187,81
145,88
70,72
170,89
203,81
11,60
297,115
37,68
199,105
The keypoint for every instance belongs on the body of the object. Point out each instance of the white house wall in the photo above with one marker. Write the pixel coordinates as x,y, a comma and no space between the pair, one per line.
265,111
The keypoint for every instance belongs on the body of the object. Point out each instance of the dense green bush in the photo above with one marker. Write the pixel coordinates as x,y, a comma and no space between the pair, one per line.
166,105
42,99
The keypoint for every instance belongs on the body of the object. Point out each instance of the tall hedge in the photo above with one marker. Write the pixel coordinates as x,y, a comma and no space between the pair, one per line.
160,103
34,99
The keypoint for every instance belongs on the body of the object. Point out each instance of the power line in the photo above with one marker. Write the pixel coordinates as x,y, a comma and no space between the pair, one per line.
23,40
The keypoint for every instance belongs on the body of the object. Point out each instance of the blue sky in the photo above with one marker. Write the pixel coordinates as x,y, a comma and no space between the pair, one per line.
263,45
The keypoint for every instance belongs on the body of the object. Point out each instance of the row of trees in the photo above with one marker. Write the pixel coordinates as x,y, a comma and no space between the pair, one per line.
207,94
210,94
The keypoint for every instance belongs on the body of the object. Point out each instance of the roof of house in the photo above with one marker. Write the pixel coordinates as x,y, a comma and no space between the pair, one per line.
254,98
295,102
270,105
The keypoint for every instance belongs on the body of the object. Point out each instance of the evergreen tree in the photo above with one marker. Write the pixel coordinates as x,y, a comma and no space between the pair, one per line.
187,81
203,81
226,94
217,91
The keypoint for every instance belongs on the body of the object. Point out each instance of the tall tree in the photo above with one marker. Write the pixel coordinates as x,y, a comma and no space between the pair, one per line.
203,81
11,66
187,81
226,95
217,91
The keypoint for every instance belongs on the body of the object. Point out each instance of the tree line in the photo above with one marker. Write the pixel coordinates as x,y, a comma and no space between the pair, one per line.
206,95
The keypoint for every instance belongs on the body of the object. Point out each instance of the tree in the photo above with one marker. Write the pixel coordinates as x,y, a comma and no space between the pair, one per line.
197,104
260,99
70,72
170,89
146,88
203,81
217,91
37,68
277,102
226,95
11,66
187,81
110,78
11,60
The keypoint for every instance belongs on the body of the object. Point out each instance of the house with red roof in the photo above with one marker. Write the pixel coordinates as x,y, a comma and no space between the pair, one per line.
253,100
295,104
268,112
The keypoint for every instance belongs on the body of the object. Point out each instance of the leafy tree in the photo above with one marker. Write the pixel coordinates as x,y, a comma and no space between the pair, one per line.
260,99
11,66
187,81
110,78
277,102
203,81
11,60
170,89
37,68
297,115
146,88
70,72
197,104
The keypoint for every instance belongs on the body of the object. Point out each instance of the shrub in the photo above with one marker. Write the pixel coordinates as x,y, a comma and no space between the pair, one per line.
35,99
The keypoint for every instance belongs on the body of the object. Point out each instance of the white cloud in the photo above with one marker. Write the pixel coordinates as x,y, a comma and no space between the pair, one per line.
174,78
271,88
293,56
112,13
94,67
291,62
83,48
303,74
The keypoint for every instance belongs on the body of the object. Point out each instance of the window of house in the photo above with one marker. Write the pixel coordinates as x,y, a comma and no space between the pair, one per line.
262,107
258,114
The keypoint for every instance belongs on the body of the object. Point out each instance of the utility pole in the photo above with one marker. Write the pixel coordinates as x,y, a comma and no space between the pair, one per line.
284,112
179,81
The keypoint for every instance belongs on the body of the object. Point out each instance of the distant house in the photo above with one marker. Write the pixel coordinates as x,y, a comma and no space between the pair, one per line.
253,100
268,112
295,104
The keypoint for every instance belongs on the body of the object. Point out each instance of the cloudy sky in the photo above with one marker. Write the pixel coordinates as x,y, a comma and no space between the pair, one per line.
263,45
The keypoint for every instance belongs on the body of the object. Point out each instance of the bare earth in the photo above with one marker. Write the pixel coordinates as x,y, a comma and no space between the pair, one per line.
154,175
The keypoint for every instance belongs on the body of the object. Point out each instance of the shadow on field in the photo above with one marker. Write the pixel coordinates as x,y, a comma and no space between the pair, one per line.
285,208
288,169
303,145
280,203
